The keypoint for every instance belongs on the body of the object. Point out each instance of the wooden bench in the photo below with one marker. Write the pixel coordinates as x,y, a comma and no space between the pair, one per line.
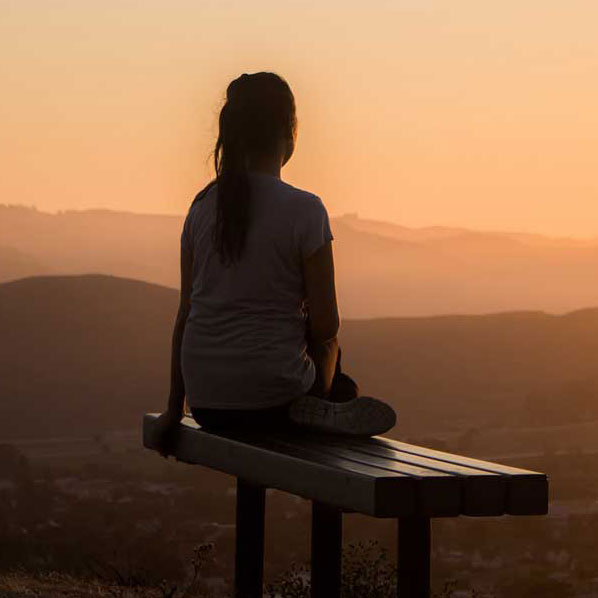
375,476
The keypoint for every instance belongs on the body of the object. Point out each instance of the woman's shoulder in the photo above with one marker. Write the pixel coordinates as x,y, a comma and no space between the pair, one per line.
301,200
294,199
207,192
300,193
202,199
279,187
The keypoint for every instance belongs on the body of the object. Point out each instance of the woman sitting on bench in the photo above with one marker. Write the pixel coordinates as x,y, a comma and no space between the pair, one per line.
255,339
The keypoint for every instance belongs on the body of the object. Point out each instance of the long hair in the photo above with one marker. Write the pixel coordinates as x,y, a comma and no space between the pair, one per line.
258,114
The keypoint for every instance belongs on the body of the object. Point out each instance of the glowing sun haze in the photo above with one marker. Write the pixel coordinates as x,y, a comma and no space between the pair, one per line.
466,113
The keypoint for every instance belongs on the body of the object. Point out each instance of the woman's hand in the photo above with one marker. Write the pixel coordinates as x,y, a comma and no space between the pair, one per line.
163,432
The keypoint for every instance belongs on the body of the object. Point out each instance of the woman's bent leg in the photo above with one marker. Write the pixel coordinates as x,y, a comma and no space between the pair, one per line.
343,410
325,358
342,388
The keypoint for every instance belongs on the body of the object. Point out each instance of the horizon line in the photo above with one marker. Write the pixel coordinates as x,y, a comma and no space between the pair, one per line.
346,215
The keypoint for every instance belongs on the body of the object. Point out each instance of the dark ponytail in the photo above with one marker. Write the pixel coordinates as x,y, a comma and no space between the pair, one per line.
258,114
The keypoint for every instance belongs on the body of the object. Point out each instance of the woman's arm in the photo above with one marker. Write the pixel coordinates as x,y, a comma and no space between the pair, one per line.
176,398
323,321
165,424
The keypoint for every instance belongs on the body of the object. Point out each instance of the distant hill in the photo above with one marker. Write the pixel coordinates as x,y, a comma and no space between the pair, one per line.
382,269
95,241
84,354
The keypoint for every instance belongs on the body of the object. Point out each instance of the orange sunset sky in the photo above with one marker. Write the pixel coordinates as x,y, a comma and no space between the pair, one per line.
460,112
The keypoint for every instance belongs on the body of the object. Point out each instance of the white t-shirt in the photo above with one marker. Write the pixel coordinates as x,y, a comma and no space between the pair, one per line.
244,343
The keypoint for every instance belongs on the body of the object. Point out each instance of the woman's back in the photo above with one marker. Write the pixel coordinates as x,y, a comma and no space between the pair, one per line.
244,343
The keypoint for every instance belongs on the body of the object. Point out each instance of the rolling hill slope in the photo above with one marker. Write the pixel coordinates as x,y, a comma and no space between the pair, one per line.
84,354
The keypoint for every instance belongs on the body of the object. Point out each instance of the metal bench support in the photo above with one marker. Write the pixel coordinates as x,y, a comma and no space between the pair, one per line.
249,547
326,550
413,557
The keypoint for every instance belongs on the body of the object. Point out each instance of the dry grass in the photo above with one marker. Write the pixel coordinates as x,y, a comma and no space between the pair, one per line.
56,585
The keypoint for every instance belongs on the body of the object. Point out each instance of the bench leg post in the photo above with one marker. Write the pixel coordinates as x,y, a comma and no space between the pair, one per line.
249,545
413,557
326,550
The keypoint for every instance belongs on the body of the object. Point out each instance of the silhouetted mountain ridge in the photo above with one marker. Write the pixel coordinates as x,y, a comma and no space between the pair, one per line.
382,269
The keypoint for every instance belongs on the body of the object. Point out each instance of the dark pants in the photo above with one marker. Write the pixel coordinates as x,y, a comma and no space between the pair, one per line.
343,388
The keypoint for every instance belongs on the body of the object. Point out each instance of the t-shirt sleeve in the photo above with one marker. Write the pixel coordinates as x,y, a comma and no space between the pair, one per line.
186,244
313,229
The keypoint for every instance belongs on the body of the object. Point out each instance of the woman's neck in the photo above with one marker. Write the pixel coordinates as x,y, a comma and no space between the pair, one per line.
265,165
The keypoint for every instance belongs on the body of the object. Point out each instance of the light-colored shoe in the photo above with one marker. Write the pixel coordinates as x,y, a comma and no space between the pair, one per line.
362,416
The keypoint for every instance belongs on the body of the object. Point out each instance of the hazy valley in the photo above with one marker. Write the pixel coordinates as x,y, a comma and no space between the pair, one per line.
84,352
382,269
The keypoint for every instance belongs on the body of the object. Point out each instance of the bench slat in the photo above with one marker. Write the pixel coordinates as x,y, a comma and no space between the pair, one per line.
438,494
527,490
394,490
481,492
414,449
